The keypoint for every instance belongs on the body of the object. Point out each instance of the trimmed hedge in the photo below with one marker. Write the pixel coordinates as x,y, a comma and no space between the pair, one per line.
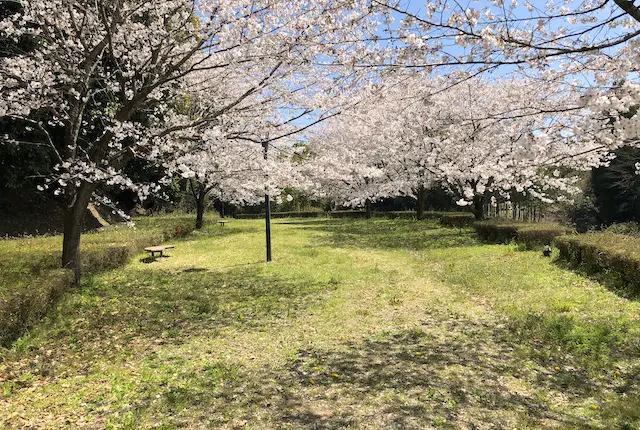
395,214
357,214
31,280
531,235
25,303
457,219
604,252
410,214
315,214
348,214
303,214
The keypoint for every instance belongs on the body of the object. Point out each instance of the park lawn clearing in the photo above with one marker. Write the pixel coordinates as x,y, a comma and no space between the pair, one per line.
356,324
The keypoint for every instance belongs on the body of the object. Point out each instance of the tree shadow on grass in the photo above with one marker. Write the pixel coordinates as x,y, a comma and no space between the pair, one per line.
194,301
469,378
116,311
416,381
461,375
389,234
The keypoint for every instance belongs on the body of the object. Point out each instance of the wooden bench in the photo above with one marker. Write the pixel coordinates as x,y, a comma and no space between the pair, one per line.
222,222
160,249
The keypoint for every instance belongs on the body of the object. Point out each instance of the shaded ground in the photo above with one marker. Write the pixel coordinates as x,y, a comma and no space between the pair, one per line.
367,324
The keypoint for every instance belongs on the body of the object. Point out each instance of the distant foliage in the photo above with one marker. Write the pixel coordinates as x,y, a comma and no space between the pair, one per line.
626,228
616,188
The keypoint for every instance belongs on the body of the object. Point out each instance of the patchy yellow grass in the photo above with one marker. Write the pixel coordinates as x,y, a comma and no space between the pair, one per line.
356,324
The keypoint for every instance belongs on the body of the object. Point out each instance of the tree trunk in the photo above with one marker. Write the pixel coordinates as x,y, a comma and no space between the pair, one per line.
74,214
420,197
478,207
202,194
368,208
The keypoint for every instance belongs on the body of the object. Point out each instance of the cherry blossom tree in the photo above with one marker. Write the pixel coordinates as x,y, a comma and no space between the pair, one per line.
591,45
102,85
347,161
479,138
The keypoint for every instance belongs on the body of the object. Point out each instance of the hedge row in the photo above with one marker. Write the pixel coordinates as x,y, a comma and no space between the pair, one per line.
410,214
531,235
457,219
302,214
354,214
31,280
23,304
604,252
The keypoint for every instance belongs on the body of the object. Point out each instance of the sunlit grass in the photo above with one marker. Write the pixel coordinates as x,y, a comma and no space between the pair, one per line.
356,324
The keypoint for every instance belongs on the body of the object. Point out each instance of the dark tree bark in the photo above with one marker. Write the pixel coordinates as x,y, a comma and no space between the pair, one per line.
199,213
74,214
421,195
200,193
478,207
368,208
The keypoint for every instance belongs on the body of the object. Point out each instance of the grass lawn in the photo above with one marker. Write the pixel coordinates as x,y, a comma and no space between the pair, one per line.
356,324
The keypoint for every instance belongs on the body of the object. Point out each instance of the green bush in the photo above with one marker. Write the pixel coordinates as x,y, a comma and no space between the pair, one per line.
604,252
395,214
626,228
293,214
457,219
410,214
531,235
24,302
348,214
351,214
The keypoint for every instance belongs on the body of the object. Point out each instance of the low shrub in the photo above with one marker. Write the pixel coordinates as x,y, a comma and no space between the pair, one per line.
348,214
249,216
25,302
169,227
351,214
531,235
395,214
410,214
604,252
292,214
457,219
626,228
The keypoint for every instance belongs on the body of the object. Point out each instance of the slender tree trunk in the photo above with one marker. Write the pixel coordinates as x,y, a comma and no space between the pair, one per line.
421,195
74,214
368,208
478,207
201,200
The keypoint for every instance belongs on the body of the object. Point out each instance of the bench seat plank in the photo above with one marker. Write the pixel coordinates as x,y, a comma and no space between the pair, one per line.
159,248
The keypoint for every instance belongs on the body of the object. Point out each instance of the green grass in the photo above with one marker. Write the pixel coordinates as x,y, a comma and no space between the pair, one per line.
356,324
31,280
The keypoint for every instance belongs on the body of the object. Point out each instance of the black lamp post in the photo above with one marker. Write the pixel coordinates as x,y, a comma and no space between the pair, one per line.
267,204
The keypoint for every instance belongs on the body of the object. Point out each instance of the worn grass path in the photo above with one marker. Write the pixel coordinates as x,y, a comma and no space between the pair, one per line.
356,324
